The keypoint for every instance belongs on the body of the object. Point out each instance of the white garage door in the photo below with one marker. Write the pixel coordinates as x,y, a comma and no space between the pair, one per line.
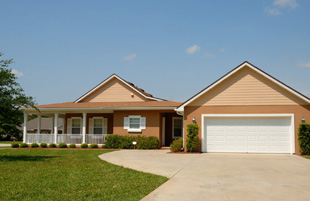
247,134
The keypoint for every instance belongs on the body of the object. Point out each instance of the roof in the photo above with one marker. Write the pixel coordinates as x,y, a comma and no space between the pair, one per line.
46,124
233,71
111,105
129,84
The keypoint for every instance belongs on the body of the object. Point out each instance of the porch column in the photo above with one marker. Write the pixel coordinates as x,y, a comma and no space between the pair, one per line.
39,124
55,127
25,127
52,126
84,127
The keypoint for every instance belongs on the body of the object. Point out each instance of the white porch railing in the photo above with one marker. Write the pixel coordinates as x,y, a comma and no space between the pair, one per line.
39,138
67,138
70,138
95,138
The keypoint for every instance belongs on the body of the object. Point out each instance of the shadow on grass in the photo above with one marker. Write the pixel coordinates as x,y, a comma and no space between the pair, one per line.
6,158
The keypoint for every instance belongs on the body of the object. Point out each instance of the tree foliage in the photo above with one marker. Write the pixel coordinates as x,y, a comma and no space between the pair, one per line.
12,98
192,138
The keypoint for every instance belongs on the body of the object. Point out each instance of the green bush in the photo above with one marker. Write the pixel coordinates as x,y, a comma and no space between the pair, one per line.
23,145
14,145
62,145
34,145
304,138
52,145
93,146
103,146
125,142
113,141
43,145
84,145
150,142
72,146
192,137
176,145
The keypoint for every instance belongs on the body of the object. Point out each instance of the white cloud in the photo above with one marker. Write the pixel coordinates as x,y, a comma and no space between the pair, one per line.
192,49
272,11
304,64
222,50
208,55
277,5
129,57
17,73
286,3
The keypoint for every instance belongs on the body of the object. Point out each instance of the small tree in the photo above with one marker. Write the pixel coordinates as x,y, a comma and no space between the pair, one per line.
192,137
12,97
304,138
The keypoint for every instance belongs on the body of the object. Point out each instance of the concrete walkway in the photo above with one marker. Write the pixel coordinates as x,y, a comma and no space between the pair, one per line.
221,176
5,145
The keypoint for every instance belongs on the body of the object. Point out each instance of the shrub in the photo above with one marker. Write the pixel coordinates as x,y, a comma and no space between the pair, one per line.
113,141
192,137
93,146
103,146
150,142
72,146
127,142
43,145
52,145
304,138
176,145
23,145
34,145
84,145
62,145
14,145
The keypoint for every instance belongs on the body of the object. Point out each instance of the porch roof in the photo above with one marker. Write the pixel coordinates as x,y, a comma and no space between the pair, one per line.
111,105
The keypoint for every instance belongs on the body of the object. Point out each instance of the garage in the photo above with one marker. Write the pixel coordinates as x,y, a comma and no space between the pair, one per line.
248,133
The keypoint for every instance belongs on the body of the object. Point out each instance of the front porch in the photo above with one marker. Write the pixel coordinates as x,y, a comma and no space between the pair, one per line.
78,128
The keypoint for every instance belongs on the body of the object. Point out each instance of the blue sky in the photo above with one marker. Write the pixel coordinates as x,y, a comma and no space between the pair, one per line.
172,49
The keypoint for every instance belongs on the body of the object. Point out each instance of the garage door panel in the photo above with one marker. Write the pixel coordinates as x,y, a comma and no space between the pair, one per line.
248,134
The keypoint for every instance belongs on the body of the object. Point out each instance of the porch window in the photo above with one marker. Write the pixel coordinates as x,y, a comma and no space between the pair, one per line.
177,127
98,125
134,123
76,126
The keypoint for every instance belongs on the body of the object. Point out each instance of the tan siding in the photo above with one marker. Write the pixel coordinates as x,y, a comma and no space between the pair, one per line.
114,91
247,87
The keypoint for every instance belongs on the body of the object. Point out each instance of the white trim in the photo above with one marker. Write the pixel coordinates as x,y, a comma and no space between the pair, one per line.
181,108
120,79
55,127
133,130
173,118
84,127
25,127
292,116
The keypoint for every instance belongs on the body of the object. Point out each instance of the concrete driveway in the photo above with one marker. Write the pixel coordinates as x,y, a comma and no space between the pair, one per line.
221,176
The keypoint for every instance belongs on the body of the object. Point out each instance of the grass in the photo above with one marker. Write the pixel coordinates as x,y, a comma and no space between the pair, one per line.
38,174
10,142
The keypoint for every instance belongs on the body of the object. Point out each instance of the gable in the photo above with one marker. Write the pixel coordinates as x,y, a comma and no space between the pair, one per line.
114,91
247,87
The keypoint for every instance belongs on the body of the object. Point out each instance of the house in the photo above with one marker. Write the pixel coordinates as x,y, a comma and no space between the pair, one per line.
45,126
246,110
115,106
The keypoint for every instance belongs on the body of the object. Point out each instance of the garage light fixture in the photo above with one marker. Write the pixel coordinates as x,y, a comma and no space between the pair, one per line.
303,119
194,120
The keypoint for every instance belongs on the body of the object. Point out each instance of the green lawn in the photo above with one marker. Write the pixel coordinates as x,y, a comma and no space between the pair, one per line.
9,142
39,174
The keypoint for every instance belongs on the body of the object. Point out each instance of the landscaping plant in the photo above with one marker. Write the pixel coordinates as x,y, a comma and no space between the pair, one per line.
23,145
72,146
43,145
84,145
62,145
14,145
34,145
52,145
176,145
304,138
93,146
192,137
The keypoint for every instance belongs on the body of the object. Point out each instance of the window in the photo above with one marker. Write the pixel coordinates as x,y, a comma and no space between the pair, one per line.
76,126
98,125
134,123
177,127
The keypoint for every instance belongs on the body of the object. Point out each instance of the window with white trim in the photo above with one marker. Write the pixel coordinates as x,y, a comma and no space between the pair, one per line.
98,125
177,127
76,126
134,123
